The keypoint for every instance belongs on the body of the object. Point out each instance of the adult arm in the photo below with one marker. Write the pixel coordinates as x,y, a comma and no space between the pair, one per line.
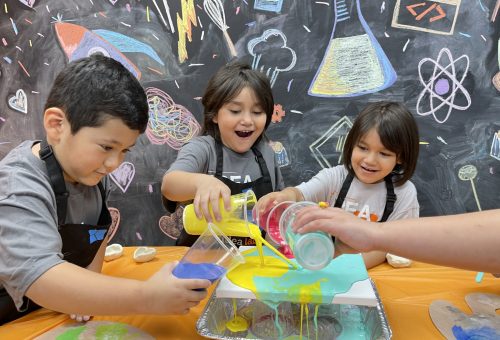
469,241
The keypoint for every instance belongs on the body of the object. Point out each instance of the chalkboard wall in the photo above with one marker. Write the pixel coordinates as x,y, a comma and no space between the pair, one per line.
326,60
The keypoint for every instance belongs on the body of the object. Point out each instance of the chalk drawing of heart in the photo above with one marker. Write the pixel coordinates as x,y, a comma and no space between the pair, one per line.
171,225
123,175
19,102
29,3
115,222
113,2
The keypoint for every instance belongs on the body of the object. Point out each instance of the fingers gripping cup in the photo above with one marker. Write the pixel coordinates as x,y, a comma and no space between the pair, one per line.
211,256
233,222
312,250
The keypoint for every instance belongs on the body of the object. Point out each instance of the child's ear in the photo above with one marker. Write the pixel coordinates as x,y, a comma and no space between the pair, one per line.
214,119
54,122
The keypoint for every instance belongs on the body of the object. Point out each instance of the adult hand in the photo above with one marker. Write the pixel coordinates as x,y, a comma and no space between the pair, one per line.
208,192
347,228
167,294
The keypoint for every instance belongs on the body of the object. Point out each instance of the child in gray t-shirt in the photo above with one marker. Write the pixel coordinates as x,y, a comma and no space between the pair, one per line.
233,154
53,214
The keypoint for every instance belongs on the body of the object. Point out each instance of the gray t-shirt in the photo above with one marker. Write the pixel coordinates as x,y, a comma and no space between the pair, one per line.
367,201
199,156
30,243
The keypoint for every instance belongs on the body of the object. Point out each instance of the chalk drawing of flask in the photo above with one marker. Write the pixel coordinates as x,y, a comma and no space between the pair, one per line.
354,63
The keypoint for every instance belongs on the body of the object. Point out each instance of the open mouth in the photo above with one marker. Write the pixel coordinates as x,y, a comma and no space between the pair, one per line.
244,134
368,169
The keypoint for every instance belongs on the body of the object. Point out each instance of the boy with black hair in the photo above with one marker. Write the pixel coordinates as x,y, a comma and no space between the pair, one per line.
53,214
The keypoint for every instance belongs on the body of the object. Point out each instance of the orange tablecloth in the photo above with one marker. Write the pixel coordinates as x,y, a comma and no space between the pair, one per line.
406,294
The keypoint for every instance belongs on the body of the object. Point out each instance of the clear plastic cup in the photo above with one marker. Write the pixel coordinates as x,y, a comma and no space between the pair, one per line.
313,250
269,221
210,257
232,222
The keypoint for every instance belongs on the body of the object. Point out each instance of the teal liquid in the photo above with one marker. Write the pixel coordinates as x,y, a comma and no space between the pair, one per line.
312,250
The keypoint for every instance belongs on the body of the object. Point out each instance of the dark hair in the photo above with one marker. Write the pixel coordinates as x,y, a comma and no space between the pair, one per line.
94,89
226,84
398,132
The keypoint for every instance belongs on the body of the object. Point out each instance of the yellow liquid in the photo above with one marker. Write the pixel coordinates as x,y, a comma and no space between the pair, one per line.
237,323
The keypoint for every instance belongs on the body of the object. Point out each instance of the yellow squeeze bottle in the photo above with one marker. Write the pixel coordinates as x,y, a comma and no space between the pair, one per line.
232,222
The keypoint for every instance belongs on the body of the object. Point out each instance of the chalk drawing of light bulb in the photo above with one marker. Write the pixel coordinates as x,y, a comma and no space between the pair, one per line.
215,10
468,173
169,123
271,55
354,63
444,86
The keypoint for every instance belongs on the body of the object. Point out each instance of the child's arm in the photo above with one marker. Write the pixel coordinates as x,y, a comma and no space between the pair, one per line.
201,188
68,288
373,258
96,264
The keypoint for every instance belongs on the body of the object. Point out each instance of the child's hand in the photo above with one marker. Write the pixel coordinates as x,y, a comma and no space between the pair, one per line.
166,294
208,192
80,318
267,202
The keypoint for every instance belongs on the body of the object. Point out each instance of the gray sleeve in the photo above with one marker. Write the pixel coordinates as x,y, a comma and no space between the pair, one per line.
29,239
193,157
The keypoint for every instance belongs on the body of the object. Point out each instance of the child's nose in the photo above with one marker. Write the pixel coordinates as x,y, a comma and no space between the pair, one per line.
371,157
246,118
112,162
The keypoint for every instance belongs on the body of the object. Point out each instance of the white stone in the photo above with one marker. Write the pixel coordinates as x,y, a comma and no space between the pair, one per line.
398,261
144,254
113,251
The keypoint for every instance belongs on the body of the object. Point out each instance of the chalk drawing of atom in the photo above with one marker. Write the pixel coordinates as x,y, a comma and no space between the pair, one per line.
444,86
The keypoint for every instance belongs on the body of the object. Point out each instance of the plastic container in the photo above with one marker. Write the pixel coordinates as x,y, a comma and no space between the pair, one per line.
269,221
313,250
211,256
232,222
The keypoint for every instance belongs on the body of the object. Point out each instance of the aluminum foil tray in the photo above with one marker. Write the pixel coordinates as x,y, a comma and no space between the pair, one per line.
333,321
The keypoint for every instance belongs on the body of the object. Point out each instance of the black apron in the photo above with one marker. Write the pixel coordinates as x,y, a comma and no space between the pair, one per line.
80,242
261,186
389,201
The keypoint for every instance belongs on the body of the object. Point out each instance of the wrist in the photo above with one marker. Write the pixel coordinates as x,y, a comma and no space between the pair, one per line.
293,194
380,237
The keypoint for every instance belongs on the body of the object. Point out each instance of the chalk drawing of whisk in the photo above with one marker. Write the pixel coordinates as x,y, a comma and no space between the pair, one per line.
215,10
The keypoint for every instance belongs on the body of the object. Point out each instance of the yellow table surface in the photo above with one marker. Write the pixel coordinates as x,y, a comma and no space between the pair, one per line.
405,292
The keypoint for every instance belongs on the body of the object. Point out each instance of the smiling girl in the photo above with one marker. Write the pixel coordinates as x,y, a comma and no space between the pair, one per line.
379,157
233,155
